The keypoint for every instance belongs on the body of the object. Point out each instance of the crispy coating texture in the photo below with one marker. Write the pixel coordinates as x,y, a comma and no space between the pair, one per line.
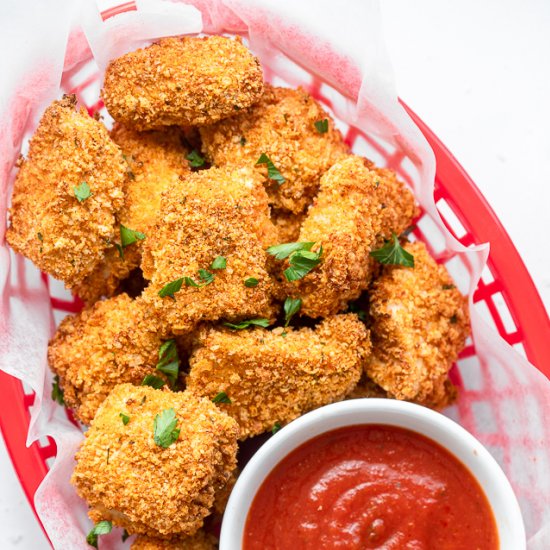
356,209
156,160
182,81
366,388
62,236
199,541
288,225
281,125
274,378
161,492
419,325
216,212
112,342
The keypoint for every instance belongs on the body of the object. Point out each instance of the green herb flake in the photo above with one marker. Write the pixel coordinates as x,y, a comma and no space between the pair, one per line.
245,324
251,282
40,237
129,236
272,172
165,431
57,392
125,418
221,398
392,253
82,192
276,427
195,159
219,263
448,287
282,251
301,263
291,307
101,528
322,125
153,381
169,362
171,288
243,141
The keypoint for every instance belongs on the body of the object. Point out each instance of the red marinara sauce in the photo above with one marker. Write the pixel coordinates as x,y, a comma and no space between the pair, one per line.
370,486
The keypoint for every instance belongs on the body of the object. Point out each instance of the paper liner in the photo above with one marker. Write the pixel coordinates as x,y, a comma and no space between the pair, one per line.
336,51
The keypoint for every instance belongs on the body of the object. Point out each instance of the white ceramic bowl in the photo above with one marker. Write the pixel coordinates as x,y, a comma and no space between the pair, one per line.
433,425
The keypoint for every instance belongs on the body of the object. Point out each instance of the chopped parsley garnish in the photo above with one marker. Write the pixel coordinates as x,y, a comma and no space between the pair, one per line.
301,263
245,324
82,192
219,263
195,160
243,141
205,278
448,287
322,126
251,282
282,251
171,288
392,253
153,381
169,362
57,392
40,237
276,428
129,236
124,417
102,528
272,172
221,398
165,431
291,307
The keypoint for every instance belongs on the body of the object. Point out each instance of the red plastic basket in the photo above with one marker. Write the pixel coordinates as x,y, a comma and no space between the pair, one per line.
507,291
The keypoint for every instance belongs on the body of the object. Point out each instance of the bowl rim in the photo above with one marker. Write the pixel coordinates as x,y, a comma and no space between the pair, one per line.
464,446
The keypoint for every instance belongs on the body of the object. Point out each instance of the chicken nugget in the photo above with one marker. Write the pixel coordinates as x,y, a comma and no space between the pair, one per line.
276,375
199,541
356,209
152,460
216,213
156,160
289,127
419,325
67,194
112,342
182,81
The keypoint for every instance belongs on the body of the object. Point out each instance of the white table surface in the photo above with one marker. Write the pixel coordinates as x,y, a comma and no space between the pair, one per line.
478,73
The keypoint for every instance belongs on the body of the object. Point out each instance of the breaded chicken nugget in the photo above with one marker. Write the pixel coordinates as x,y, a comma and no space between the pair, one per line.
287,224
108,344
216,213
152,460
356,209
419,325
199,541
67,193
275,376
156,160
282,125
182,81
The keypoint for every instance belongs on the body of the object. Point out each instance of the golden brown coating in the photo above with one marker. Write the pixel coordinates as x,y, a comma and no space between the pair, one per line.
366,388
287,224
356,209
222,495
199,541
272,377
281,125
48,224
419,325
110,343
182,81
128,478
156,160
211,213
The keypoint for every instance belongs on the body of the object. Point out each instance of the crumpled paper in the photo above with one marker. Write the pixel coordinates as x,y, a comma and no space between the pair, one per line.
504,398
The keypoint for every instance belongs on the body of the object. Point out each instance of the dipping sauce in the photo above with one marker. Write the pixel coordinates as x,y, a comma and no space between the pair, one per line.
370,486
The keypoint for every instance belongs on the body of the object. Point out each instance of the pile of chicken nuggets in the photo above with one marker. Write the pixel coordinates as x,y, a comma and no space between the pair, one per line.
239,266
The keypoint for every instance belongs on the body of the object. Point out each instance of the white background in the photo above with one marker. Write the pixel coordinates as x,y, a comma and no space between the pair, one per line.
478,73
